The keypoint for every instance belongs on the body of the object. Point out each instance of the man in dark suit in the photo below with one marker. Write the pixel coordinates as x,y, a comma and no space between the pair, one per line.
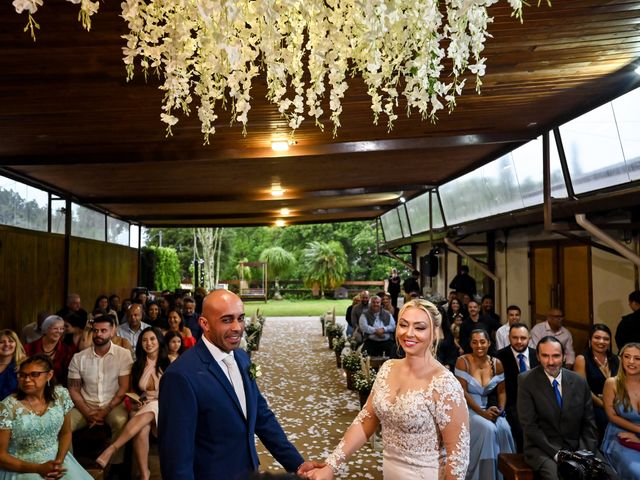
629,327
517,358
211,408
555,410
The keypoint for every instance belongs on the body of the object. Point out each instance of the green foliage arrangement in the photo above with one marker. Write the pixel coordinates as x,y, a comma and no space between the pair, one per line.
363,380
334,330
351,361
161,268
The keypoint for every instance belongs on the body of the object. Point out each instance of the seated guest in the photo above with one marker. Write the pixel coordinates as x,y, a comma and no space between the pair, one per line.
553,326
554,409
153,315
174,344
74,305
447,351
51,344
387,305
628,330
151,362
190,317
98,382
454,309
486,309
31,332
622,405
176,324
102,304
480,374
134,325
596,364
475,321
502,334
347,316
114,303
122,313
34,427
378,328
76,332
11,354
516,358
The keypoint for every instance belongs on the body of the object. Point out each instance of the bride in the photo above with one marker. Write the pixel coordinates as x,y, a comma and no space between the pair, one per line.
420,405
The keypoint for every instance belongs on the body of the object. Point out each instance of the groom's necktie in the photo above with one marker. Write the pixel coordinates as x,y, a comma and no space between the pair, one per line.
556,390
521,364
236,381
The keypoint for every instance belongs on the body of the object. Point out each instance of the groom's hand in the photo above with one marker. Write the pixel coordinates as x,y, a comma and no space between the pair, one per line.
308,466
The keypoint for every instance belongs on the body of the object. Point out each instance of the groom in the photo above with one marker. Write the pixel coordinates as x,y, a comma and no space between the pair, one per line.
210,408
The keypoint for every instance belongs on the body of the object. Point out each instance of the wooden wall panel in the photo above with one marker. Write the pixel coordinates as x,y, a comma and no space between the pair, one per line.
97,268
32,272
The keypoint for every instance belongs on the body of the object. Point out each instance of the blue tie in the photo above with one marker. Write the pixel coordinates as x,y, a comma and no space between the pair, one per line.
557,392
523,366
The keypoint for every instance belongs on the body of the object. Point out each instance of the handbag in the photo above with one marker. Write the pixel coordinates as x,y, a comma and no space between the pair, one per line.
580,465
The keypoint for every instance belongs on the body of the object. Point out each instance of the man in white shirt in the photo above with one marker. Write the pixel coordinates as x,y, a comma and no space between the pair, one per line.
134,325
378,328
98,379
553,326
502,334
555,410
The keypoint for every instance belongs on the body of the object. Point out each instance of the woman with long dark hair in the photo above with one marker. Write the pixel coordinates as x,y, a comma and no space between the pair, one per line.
152,360
176,324
174,344
35,428
596,364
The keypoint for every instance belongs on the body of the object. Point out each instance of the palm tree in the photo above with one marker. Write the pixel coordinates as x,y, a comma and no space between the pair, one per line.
279,263
324,264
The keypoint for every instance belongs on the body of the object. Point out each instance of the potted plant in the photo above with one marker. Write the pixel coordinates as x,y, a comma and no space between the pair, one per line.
333,331
338,346
351,363
363,381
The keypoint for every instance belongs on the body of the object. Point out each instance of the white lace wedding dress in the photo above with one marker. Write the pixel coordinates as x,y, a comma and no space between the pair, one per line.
425,432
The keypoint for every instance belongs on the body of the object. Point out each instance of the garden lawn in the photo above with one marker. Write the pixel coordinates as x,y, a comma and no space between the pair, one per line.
296,308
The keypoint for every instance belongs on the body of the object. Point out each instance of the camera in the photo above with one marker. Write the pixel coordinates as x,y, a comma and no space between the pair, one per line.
580,465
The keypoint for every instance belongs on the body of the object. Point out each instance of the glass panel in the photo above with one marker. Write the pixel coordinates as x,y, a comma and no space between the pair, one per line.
418,209
87,223
117,231
627,114
58,215
488,190
23,206
404,221
593,150
134,236
391,225
438,222
528,164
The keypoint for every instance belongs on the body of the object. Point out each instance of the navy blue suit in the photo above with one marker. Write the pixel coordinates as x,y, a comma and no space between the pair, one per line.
203,433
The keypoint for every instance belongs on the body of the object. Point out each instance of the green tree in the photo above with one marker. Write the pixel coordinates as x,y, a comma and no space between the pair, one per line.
161,268
325,265
280,263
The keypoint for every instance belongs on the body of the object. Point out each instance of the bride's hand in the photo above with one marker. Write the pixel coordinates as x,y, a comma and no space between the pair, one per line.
323,473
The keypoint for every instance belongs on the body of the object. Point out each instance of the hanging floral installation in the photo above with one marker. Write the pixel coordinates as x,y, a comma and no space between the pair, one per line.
307,49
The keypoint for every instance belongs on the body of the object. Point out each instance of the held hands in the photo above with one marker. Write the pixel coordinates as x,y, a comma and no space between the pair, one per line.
632,437
311,466
492,413
52,470
320,473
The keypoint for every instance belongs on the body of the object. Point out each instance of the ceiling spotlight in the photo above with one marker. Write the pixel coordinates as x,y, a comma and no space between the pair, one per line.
280,223
402,199
276,190
280,145
285,212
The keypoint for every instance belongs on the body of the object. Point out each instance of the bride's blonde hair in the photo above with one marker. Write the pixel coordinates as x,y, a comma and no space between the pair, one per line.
434,318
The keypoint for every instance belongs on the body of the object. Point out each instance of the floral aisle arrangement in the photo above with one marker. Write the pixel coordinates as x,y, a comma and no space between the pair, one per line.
333,331
338,345
351,363
253,331
212,50
363,381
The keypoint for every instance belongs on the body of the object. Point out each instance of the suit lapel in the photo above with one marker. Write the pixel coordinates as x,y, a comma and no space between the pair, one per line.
547,390
219,375
250,398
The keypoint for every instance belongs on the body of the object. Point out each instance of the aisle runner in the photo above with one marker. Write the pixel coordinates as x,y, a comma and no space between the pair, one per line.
308,394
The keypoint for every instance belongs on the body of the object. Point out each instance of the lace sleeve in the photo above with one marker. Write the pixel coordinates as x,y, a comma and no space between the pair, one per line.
64,399
452,417
6,414
362,427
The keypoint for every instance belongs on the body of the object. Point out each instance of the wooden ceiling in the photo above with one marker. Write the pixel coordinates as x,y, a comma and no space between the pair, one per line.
69,121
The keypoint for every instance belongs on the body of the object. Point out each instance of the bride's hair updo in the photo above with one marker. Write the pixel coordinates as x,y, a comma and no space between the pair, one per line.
432,313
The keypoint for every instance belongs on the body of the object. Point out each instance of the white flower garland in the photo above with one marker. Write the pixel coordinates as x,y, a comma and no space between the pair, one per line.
213,49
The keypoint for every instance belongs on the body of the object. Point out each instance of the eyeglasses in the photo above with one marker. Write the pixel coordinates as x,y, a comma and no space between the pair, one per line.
31,375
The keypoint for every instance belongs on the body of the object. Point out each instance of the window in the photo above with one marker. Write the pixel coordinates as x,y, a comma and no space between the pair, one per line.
117,231
404,221
391,225
87,223
134,236
23,206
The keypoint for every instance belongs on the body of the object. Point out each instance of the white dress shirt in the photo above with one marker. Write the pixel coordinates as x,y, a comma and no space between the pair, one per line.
526,358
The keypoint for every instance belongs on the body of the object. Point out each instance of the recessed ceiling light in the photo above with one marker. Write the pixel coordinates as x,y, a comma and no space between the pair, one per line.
277,190
280,145
284,212
280,223
402,199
